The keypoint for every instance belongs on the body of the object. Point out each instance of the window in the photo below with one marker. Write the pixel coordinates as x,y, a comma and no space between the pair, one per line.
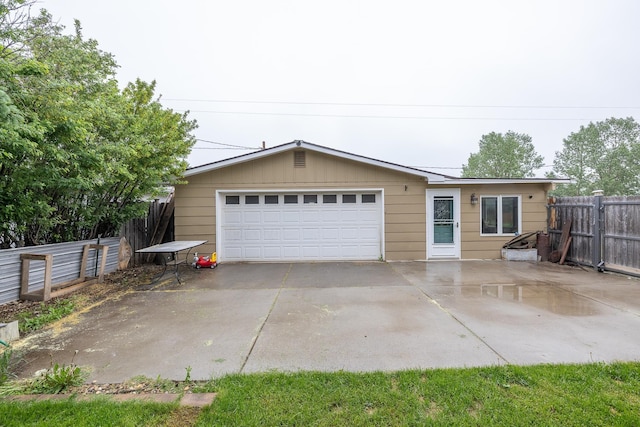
329,198
232,200
500,214
290,198
251,200
348,198
310,198
271,200
368,198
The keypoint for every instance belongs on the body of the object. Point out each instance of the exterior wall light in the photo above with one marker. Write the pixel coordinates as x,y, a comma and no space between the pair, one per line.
474,199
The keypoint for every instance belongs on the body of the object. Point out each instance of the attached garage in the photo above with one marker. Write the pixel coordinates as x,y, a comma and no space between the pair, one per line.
297,226
305,202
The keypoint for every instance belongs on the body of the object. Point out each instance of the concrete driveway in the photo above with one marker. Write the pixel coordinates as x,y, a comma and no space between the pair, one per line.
351,316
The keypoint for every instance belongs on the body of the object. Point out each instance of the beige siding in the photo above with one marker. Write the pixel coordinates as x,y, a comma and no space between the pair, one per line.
404,209
534,215
404,197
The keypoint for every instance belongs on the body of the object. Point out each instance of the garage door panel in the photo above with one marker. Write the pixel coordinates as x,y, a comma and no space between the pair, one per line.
331,215
233,218
329,251
291,252
291,234
251,217
309,233
233,252
254,235
318,231
368,233
253,252
368,216
311,216
330,234
310,252
272,252
272,234
291,217
349,233
233,235
349,216
272,217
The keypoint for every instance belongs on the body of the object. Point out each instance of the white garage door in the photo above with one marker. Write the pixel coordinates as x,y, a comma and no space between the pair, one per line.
300,226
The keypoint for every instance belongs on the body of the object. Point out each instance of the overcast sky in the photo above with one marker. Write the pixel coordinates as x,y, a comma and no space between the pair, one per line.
410,82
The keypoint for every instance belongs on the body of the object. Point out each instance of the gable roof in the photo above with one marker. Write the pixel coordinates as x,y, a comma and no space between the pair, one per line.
297,144
430,177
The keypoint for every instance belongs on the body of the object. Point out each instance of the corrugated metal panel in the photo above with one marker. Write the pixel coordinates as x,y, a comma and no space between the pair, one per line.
66,265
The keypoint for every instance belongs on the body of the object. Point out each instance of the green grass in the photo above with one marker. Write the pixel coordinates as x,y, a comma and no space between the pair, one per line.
100,412
48,313
550,395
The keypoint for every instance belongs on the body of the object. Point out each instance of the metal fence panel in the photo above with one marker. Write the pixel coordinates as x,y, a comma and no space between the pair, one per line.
66,265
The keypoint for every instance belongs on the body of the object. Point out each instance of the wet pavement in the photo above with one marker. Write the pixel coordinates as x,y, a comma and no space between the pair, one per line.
350,316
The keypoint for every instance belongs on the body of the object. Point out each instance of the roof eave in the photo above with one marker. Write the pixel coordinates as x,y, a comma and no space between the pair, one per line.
486,181
429,176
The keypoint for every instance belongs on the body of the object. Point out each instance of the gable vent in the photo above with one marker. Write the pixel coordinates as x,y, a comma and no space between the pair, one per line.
299,159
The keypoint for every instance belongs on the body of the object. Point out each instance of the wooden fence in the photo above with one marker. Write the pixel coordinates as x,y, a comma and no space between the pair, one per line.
155,227
605,231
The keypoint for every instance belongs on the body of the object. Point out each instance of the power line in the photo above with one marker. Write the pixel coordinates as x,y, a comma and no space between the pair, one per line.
231,146
364,116
371,104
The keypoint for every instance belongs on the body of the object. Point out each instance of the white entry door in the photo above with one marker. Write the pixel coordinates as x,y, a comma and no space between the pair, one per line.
443,223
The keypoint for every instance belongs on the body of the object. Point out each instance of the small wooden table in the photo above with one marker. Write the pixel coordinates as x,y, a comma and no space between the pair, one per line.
174,248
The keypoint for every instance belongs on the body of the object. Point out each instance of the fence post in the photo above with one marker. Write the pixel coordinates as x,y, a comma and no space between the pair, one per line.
598,232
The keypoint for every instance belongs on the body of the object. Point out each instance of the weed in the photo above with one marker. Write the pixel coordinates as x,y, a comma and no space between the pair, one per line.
54,380
28,322
5,365
58,378
187,378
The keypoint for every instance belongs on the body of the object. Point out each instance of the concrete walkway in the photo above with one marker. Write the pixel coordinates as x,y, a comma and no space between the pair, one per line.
350,316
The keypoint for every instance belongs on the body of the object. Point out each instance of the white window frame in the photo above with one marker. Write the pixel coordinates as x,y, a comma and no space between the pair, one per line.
499,231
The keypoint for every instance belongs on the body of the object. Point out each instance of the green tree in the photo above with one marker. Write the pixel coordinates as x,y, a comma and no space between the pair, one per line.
78,156
511,155
601,156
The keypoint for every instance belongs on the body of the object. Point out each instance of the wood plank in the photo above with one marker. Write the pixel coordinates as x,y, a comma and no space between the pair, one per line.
566,231
565,250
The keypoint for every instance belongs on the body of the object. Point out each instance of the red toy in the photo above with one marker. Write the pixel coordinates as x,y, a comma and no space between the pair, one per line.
205,261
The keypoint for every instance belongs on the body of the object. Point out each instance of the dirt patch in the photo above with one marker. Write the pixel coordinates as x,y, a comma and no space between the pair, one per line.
183,416
114,285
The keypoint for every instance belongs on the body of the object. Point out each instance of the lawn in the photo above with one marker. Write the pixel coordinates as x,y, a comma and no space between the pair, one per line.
554,395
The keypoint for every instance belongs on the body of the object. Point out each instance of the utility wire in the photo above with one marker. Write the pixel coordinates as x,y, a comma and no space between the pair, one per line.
371,104
555,119
230,146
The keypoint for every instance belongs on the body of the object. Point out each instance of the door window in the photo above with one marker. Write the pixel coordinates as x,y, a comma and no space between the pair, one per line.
443,216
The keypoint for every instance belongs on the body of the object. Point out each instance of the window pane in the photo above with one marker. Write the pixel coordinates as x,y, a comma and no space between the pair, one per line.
233,200
291,198
489,215
271,200
329,198
510,215
368,198
251,200
443,233
348,198
310,198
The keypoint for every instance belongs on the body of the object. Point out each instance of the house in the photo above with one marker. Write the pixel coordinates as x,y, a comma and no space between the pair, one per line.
306,202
